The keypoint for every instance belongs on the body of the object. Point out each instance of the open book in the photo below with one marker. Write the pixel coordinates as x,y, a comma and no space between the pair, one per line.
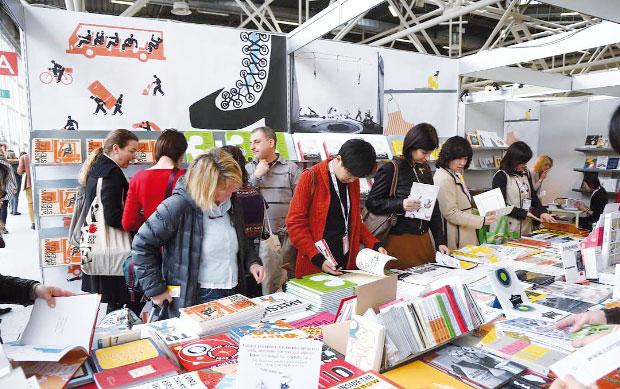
427,196
51,333
492,202
371,262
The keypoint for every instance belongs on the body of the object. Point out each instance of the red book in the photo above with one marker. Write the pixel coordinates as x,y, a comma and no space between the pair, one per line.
136,373
336,371
206,352
453,305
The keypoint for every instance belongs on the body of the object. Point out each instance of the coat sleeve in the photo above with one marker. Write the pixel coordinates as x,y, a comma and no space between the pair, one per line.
378,201
112,198
298,220
133,213
250,167
447,198
500,181
15,290
156,231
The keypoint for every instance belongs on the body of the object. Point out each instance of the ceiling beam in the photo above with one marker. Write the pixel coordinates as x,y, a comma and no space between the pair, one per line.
525,76
134,8
603,33
336,14
604,9
596,80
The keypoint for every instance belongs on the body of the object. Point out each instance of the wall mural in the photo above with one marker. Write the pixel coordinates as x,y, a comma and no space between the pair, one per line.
94,72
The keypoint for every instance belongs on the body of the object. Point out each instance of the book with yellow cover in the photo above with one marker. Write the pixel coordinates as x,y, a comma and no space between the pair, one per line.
125,354
419,375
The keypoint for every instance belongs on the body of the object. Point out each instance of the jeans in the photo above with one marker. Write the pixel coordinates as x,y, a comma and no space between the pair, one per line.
205,295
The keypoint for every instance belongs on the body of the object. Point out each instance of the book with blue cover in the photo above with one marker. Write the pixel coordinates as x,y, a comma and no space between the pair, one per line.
268,329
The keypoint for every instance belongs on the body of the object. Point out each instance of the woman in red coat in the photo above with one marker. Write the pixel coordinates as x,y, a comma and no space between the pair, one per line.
326,206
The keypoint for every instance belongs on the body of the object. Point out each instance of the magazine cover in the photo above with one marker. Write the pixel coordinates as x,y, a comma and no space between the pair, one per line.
58,251
57,201
56,151
218,309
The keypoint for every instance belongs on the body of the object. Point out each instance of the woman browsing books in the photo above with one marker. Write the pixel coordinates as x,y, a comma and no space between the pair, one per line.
454,198
200,227
408,232
598,201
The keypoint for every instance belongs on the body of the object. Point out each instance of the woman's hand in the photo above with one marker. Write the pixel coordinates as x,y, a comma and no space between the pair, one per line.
382,251
329,268
160,298
490,218
581,206
547,218
411,205
258,272
443,249
576,322
543,175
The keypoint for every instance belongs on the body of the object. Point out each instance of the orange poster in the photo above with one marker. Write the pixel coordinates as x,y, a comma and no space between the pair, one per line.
93,144
61,151
146,151
57,201
58,252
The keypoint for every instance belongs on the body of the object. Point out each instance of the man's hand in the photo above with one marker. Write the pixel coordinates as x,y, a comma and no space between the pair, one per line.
258,272
160,298
262,168
48,293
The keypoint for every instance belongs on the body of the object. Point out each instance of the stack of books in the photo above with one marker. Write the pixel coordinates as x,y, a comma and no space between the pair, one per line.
280,304
322,291
221,315
437,317
268,329
312,325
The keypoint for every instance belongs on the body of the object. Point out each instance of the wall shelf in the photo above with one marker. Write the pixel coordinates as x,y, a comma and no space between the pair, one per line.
596,150
483,148
579,169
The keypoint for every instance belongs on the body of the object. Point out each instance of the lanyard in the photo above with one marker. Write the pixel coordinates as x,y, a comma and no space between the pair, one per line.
335,183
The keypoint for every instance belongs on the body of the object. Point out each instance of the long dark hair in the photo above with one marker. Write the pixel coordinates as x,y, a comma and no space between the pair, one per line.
614,130
518,153
455,147
592,180
422,136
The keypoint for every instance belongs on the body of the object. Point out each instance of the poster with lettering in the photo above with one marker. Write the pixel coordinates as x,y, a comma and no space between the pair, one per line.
93,144
146,151
198,142
56,151
59,252
57,201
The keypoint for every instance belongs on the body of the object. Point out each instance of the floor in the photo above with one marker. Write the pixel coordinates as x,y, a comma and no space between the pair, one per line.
19,258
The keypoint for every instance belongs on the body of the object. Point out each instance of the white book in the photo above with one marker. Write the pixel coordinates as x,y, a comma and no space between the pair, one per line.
591,362
371,262
491,202
52,332
601,162
427,196
365,343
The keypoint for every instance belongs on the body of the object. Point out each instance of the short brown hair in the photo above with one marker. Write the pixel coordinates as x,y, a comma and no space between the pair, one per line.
269,133
120,137
171,143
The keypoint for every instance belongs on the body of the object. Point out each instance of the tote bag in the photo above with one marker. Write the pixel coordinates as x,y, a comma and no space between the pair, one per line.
270,253
103,248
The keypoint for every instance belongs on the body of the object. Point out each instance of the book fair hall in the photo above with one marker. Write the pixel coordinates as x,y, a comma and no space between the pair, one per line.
310,194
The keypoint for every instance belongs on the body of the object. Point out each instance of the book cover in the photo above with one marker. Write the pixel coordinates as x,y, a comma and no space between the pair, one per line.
277,329
473,365
218,309
191,380
206,352
57,201
427,196
136,373
280,303
173,331
565,304
419,375
312,324
145,152
365,343
56,151
321,283
335,371
590,163
601,162
59,252
454,308
82,376
592,140
368,380
612,163
125,354
473,139
529,380
52,375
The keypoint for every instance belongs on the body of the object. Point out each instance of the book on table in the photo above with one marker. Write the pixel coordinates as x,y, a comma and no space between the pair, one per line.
136,373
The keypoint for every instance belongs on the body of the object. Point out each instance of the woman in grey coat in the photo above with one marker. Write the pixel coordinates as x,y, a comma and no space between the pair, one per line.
200,227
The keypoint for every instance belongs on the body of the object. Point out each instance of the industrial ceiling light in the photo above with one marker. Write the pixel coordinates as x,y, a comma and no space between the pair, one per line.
181,8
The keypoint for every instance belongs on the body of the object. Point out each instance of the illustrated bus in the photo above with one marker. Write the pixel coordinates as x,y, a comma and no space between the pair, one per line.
145,44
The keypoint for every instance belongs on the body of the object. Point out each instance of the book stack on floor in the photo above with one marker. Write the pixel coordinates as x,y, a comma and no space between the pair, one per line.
435,318
221,315
323,291
280,304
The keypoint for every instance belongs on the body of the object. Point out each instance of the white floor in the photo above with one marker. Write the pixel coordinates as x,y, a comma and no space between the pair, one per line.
20,259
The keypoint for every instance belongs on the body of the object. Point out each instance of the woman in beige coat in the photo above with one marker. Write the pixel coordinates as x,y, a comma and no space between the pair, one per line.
455,202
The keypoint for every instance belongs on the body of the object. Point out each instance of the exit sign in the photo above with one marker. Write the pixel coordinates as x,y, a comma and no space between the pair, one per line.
5,94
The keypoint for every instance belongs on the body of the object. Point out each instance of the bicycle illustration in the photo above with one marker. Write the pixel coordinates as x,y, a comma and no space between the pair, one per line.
48,76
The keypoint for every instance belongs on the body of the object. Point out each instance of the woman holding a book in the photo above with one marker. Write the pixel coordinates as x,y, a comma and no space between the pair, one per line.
409,233
514,180
455,201
206,255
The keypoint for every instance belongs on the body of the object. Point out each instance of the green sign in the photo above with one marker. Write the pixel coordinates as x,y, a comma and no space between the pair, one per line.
240,139
198,142
281,145
5,94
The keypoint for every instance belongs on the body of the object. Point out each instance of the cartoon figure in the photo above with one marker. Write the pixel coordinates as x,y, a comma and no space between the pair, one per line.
129,42
433,81
71,124
146,125
153,43
66,149
157,83
58,70
99,39
118,105
99,105
84,39
113,41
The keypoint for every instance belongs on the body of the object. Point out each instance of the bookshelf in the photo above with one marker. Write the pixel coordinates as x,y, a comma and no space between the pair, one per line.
596,150
583,170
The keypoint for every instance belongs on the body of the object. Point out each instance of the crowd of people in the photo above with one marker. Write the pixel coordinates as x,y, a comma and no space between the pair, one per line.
199,229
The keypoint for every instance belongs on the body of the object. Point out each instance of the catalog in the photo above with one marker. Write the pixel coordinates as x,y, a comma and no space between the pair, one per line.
427,196
371,262
279,363
52,332
56,151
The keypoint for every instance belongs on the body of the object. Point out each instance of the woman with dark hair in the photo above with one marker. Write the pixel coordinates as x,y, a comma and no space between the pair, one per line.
455,201
514,180
598,200
409,239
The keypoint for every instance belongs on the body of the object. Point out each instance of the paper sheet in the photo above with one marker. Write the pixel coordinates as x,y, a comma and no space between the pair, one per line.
491,201
371,261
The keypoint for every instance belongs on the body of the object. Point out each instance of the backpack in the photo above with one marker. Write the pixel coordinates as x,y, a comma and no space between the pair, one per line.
129,268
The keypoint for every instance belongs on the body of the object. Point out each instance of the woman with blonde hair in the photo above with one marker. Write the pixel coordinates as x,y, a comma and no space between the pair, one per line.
107,162
539,171
201,230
